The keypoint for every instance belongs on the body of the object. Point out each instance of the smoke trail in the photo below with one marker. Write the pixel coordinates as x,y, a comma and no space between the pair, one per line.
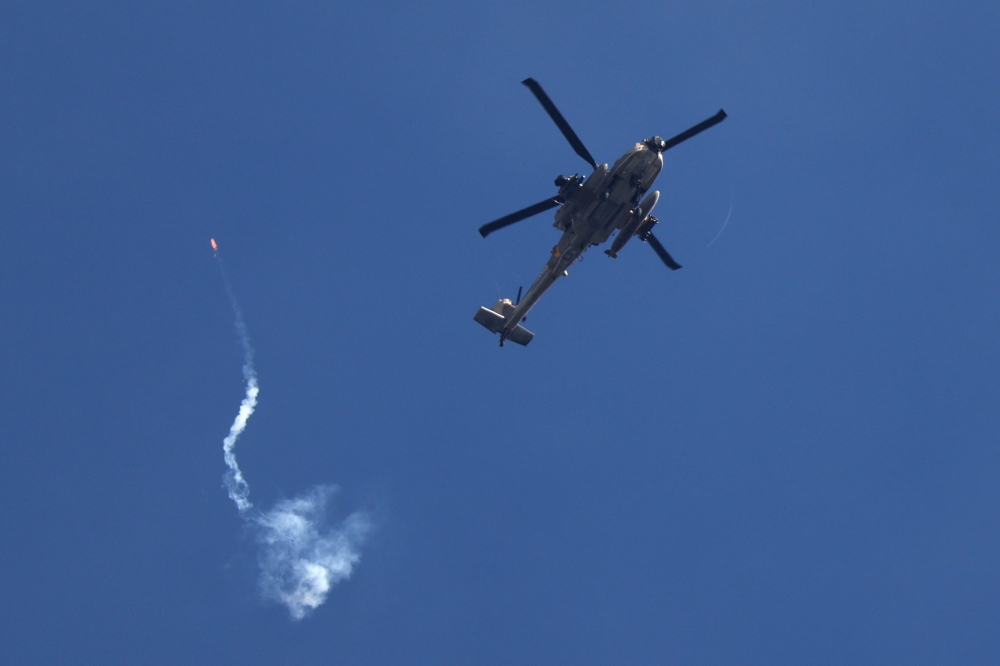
239,489
300,560
723,224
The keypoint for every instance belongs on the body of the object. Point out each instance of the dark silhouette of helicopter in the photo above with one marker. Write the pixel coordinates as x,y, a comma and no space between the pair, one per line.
590,210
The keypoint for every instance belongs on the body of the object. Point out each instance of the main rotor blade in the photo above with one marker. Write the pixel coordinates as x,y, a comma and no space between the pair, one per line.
697,129
522,214
662,252
561,123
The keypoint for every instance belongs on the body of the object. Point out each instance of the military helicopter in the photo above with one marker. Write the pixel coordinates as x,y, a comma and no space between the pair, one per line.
590,210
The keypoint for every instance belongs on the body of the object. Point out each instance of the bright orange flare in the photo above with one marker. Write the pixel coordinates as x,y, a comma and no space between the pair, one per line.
214,246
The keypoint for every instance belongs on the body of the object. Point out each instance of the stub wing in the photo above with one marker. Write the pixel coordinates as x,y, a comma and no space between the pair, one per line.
494,322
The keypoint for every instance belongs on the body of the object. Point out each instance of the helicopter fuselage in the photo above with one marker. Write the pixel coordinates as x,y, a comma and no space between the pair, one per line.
607,200
590,210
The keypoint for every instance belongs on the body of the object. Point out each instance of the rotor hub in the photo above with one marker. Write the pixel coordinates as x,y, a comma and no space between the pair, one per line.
655,143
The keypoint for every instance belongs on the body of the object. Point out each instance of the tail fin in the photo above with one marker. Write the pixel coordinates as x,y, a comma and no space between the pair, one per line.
494,322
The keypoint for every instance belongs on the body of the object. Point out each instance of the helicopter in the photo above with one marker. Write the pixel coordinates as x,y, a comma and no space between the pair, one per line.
591,209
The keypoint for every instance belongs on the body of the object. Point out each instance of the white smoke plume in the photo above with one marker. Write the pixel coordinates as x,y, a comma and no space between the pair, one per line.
300,559
237,486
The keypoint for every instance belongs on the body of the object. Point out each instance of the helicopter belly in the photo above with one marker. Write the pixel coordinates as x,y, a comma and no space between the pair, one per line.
608,213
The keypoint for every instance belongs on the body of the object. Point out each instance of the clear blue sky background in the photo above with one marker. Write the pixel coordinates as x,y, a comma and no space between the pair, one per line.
785,453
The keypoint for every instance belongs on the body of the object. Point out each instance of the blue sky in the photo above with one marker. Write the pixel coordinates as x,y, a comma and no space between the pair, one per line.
784,453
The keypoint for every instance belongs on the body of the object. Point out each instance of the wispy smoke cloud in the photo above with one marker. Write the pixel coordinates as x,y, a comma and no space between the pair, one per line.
300,558
299,562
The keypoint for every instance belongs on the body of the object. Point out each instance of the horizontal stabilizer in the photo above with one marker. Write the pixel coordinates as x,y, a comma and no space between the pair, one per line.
494,323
